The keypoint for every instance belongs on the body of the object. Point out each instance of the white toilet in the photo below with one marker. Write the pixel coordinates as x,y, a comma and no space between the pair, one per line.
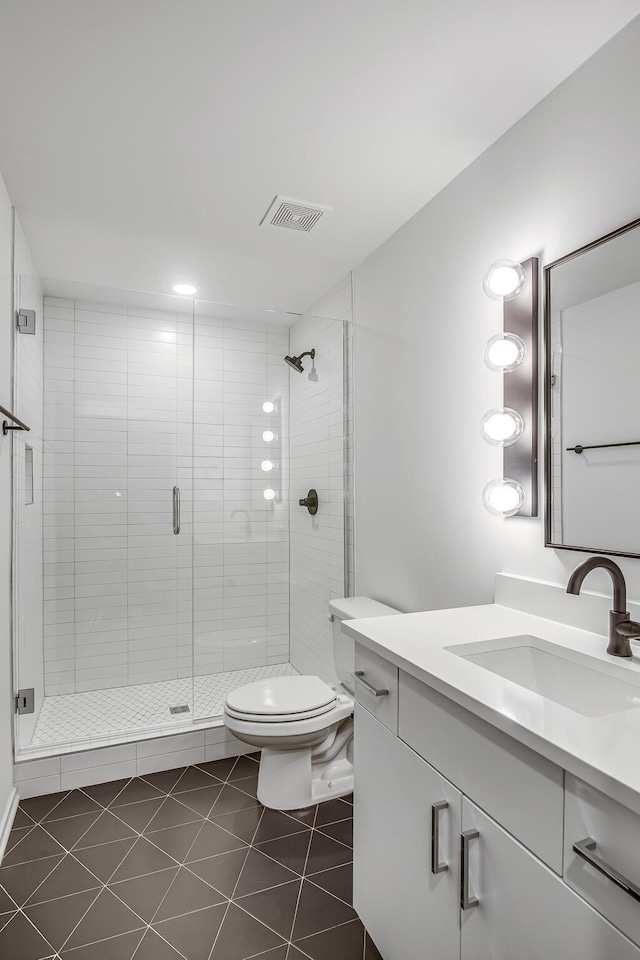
303,725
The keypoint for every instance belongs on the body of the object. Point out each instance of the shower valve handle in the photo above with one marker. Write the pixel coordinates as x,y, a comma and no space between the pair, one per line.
310,502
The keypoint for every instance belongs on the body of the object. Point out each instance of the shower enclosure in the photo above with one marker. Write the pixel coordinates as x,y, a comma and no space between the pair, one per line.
160,554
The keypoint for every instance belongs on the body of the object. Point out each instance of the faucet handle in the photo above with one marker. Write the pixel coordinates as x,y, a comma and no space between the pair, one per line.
623,631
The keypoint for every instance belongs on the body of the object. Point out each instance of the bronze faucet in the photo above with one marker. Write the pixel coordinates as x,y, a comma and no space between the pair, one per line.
621,629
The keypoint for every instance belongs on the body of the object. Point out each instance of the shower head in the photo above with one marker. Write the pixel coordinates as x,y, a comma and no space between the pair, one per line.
296,362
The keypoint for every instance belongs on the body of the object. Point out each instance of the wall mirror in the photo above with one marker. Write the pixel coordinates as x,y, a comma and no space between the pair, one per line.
592,335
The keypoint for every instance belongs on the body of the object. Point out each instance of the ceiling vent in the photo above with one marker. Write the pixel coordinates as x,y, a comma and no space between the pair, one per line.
293,214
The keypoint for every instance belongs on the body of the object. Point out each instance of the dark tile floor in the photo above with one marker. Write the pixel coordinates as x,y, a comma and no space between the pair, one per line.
180,864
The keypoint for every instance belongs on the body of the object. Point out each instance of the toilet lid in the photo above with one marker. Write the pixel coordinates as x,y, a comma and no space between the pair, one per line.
278,696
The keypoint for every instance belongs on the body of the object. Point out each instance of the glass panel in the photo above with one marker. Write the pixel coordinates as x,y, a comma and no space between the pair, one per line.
28,516
116,604
241,500
318,415
151,404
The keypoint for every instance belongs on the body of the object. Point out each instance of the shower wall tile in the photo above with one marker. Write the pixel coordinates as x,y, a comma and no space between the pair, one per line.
34,778
134,406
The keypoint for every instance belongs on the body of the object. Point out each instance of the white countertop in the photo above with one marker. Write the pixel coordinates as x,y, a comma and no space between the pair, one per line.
603,750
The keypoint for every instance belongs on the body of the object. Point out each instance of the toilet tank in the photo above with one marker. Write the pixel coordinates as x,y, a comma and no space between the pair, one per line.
351,608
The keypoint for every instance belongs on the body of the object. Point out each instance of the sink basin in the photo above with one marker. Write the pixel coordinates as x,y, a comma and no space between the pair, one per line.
581,683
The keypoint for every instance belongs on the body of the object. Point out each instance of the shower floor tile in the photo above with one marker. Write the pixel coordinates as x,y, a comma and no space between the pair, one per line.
123,710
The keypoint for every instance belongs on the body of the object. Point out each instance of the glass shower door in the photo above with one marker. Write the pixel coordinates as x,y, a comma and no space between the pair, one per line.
113,655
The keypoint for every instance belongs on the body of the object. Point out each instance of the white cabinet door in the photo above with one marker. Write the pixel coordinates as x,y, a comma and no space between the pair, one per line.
410,912
524,910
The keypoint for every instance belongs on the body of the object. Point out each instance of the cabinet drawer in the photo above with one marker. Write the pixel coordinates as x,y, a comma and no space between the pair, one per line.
616,831
377,674
520,789
526,912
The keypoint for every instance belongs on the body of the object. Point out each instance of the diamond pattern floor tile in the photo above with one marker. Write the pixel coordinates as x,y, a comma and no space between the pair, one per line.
180,865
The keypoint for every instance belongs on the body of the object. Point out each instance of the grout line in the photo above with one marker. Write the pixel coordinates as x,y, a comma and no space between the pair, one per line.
84,790
107,939
304,870
239,875
164,940
81,918
103,882
29,920
329,892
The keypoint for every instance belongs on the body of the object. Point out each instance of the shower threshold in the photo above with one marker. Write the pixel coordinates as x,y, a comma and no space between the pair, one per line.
98,718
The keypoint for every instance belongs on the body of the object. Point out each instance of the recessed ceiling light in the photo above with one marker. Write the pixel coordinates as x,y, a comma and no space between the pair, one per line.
184,289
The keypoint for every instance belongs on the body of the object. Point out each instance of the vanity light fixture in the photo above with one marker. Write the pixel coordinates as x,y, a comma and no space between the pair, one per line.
503,498
268,436
504,352
269,494
514,353
268,406
504,280
502,426
266,465
184,289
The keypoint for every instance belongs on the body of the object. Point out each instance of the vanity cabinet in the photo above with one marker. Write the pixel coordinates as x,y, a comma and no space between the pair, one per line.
615,830
525,908
410,912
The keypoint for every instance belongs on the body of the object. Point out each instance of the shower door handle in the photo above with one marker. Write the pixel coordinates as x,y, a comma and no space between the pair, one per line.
176,510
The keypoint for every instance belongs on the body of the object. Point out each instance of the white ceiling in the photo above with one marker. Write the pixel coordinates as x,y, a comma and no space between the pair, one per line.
143,140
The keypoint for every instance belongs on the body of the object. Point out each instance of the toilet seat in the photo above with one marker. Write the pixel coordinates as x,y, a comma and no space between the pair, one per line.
292,728
279,717
281,700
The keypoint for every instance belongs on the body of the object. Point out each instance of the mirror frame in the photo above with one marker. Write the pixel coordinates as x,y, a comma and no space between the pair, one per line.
548,542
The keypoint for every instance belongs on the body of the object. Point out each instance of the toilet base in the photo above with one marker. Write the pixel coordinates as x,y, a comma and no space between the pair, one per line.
289,780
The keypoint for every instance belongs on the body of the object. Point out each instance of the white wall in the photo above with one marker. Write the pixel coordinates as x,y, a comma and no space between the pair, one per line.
6,360
564,175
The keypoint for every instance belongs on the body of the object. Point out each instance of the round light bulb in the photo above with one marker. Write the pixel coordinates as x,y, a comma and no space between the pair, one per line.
504,280
268,406
184,289
504,352
269,494
502,426
268,436
266,465
503,498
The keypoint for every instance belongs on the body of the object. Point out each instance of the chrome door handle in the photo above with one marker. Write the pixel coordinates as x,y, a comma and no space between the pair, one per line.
359,675
584,849
436,865
176,510
466,900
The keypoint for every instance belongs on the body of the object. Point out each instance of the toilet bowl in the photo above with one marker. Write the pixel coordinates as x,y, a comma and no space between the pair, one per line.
303,725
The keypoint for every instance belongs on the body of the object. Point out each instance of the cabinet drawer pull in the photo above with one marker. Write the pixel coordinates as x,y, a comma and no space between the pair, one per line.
359,675
436,865
584,849
466,901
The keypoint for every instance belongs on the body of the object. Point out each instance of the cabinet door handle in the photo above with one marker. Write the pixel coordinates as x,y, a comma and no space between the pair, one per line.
176,510
584,849
436,865
359,675
466,901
